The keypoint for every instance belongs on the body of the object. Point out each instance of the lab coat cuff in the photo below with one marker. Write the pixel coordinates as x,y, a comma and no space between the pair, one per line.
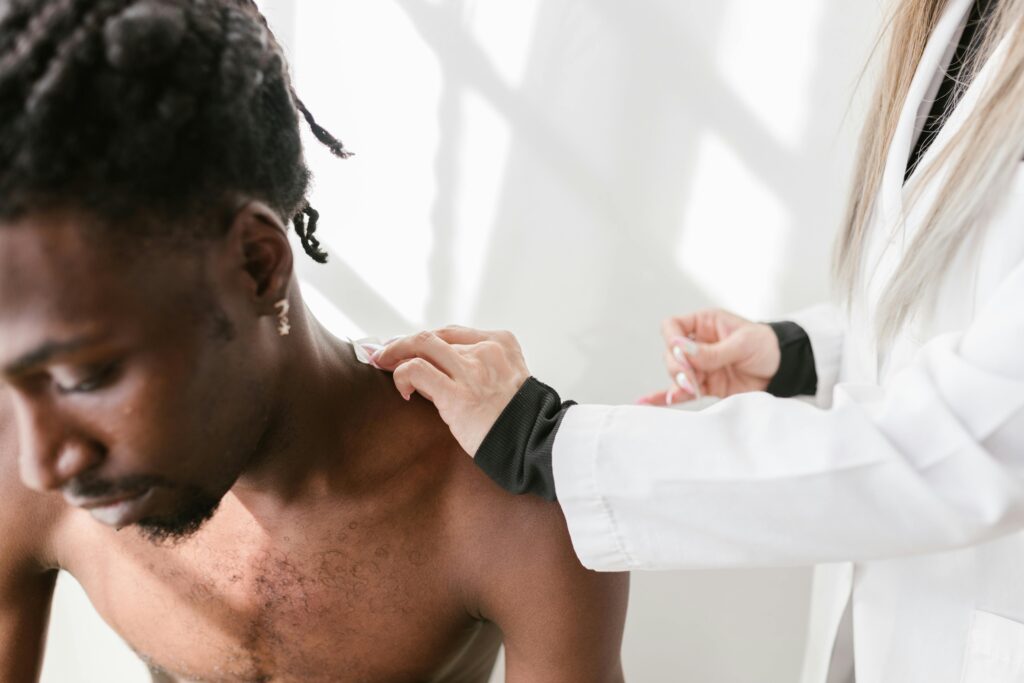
797,374
576,458
825,328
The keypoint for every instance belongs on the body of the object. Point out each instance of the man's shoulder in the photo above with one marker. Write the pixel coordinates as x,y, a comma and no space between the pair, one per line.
561,621
491,516
505,537
27,518
495,540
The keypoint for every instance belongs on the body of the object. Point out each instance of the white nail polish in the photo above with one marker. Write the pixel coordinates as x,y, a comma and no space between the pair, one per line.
684,383
690,347
678,353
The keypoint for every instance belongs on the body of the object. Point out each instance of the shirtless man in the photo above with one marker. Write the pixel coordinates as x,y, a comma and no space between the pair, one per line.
241,499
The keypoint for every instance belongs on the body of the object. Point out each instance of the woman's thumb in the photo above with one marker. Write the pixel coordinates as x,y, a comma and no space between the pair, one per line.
715,356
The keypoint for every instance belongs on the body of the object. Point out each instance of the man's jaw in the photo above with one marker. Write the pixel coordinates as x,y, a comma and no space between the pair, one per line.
194,510
161,517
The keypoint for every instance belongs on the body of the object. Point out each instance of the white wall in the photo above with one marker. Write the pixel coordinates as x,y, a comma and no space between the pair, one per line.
575,171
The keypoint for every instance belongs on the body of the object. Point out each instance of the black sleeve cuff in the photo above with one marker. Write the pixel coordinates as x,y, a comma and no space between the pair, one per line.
796,375
516,453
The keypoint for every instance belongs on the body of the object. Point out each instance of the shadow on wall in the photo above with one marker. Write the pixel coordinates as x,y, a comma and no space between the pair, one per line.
607,156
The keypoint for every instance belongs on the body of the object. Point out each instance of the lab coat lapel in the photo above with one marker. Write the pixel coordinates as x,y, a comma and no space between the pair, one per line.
913,200
968,102
886,239
891,198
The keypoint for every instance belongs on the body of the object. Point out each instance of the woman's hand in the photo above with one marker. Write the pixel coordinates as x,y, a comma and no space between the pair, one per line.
469,375
716,353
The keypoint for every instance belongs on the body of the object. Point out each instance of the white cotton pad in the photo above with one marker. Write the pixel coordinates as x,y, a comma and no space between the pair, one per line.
368,345
364,347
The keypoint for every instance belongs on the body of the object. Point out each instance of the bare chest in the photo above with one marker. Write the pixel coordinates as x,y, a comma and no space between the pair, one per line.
344,599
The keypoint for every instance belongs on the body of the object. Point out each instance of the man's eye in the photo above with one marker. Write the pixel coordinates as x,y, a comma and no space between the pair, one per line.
96,380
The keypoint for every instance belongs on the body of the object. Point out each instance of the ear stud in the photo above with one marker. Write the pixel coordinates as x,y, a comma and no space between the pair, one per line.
283,326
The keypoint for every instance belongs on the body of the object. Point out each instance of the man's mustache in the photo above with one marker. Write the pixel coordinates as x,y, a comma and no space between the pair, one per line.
84,487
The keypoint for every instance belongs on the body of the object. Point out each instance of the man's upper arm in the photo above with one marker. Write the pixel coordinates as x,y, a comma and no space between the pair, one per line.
24,612
562,623
26,586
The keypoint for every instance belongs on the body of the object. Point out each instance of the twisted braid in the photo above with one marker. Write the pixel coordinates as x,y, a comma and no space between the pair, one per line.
305,229
164,108
305,221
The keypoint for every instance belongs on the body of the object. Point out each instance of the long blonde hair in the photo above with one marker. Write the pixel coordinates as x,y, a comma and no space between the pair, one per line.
980,159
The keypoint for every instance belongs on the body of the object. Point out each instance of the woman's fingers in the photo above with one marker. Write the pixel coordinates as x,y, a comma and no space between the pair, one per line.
701,326
716,356
666,398
425,345
678,326
469,375
658,398
456,334
418,375
682,373
679,395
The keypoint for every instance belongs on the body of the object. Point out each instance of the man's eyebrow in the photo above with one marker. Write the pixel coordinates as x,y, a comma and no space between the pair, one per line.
46,352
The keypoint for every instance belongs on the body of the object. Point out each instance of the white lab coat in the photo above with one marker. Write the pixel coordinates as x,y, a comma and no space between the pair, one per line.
912,481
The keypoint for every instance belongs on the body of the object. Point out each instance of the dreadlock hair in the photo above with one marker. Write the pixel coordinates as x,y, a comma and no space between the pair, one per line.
162,108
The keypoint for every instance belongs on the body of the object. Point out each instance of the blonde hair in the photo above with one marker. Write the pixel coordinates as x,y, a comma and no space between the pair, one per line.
980,159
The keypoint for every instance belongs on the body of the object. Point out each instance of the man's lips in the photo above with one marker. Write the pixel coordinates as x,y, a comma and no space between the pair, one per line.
93,503
121,510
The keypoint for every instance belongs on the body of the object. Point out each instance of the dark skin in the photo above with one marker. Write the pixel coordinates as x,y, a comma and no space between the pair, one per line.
354,540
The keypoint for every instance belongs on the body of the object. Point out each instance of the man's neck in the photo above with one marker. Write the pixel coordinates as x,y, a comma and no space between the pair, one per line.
335,426
318,393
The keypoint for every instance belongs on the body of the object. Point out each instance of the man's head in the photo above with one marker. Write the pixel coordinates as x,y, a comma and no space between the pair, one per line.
149,156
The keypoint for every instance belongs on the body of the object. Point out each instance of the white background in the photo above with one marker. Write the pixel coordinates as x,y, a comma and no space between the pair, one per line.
575,170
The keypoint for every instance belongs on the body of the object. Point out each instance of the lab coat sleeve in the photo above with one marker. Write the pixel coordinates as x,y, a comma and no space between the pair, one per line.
825,326
932,460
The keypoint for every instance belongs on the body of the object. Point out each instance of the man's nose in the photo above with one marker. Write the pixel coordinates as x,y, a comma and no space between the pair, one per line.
51,453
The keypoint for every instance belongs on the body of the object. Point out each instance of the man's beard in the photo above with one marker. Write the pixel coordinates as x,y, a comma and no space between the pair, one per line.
196,509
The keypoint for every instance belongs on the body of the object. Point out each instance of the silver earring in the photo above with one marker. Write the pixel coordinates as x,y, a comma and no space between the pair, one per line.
283,327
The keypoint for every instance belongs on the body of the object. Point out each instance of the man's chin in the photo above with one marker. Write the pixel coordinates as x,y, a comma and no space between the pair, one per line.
169,530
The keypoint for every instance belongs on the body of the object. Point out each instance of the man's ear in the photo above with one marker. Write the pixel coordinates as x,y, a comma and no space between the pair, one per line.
259,252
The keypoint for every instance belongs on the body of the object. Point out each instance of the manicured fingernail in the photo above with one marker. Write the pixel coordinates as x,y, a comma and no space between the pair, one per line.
678,353
686,346
684,383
